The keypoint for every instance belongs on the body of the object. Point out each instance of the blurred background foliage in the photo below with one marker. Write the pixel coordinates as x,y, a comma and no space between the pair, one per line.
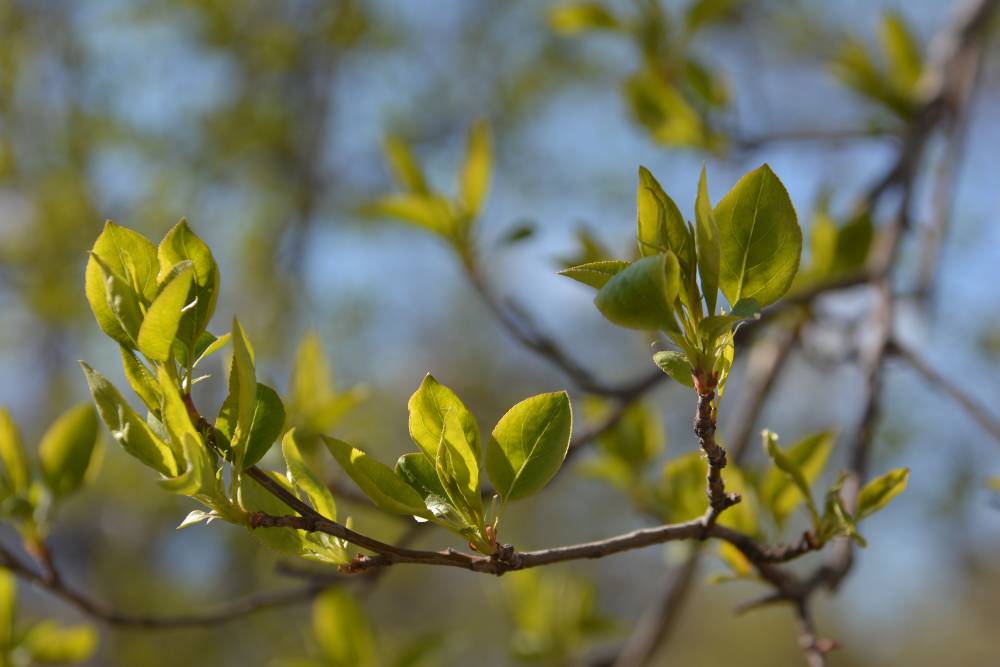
265,125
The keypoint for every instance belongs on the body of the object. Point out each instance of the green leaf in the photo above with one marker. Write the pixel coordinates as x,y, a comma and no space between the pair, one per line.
200,479
305,480
404,166
377,480
661,225
877,493
315,406
636,439
475,175
681,492
705,12
707,244
713,326
159,327
180,245
242,392
8,607
428,406
676,365
902,51
529,444
266,425
141,380
779,493
417,470
595,274
131,258
254,498
760,239
127,428
457,466
16,474
790,467
50,643
344,635
431,212
642,296
207,345
65,450
581,16
123,304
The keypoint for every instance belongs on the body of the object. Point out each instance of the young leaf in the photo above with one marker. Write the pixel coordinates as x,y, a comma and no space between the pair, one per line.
315,406
141,380
901,50
242,391
127,428
790,468
676,365
681,493
159,327
580,16
404,166
713,326
428,406
595,274
266,425
417,470
180,245
65,450
642,296
305,480
132,259
50,643
377,480
809,455
475,174
457,467
759,238
707,244
661,225
199,479
8,606
344,634
529,444
123,305
431,212
877,493
16,474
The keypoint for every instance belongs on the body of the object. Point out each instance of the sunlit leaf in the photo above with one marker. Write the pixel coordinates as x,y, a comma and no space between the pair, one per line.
529,444
642,295
877,493
760,239
595,274
65,451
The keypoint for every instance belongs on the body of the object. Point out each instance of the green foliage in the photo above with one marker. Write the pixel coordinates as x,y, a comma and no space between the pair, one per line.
554,616
43,643
421,206
628,448
748,246
315,405
801,465
895,86
440,483
877,493
67,448
672,94
781,490
529,444
642,295
760,239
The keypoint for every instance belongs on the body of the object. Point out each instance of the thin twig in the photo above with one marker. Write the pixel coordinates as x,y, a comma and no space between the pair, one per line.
99,611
